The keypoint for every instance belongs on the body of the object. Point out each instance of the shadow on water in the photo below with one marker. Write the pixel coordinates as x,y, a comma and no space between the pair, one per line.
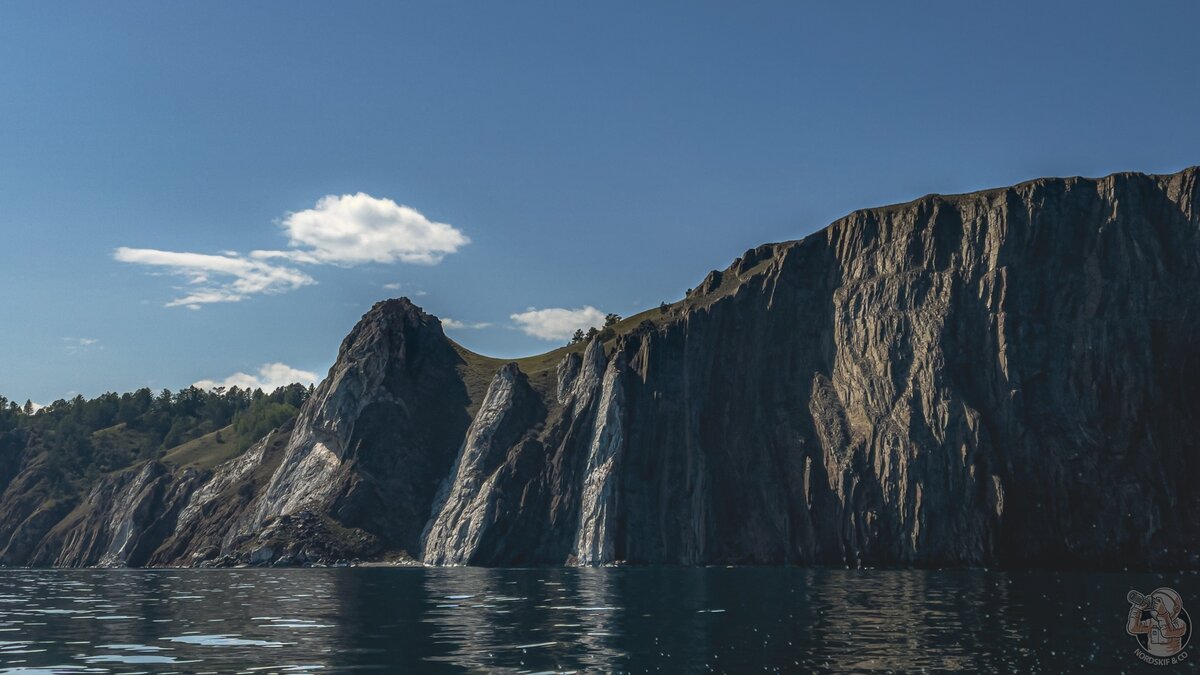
537,620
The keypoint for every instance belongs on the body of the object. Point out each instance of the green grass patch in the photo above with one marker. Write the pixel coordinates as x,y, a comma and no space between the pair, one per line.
206,451
478,370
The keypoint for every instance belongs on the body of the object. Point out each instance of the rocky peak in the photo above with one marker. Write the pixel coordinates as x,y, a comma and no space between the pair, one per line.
393,404
389,330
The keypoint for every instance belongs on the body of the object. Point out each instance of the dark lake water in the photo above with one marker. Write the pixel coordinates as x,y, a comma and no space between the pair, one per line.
672,620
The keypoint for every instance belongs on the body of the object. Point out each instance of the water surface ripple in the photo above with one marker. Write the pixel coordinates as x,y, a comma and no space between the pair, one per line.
663,619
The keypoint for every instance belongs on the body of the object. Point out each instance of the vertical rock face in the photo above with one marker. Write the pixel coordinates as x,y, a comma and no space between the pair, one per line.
372,443
594,541
1004,377
467,504
1007,377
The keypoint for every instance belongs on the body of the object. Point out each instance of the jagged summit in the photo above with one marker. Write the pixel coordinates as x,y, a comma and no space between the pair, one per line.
391,320
396,307
1003,377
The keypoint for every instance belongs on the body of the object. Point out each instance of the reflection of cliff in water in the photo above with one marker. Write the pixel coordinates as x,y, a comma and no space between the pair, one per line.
382,615
865,621
558,618
665,619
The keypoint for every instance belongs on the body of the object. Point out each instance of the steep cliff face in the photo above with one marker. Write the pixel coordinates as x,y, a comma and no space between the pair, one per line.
1003,377
1007,377
381,431
121,522
468,500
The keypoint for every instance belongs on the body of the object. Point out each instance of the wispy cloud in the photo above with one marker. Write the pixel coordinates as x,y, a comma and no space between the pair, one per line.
269,377
556,323
217,278
76,345
455,324
344,230
395,286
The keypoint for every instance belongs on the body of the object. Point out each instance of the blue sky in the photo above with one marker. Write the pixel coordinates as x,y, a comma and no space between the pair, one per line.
550,156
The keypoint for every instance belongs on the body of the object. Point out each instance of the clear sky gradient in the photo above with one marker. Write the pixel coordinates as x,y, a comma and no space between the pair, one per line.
604,155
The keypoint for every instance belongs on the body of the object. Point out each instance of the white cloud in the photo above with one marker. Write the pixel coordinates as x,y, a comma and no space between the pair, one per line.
34,407
455,324
556,323
217,278
344,230
354,229
270,376
395,286
75,345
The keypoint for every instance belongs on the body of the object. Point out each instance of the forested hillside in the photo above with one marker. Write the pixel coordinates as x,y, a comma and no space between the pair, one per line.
80,439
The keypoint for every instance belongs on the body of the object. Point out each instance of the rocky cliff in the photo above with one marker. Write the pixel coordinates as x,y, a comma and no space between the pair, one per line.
1007,377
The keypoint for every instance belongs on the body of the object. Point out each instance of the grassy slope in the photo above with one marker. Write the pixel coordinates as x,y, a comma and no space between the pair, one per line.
478,370
541,369
120,439
204,452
